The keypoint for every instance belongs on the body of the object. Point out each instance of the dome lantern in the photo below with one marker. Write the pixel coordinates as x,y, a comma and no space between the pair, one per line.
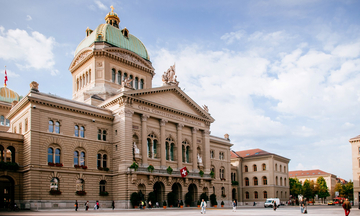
112,18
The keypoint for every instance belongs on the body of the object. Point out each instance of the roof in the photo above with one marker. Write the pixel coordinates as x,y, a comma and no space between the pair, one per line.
315,172
355,138
248,153
8,95
114,36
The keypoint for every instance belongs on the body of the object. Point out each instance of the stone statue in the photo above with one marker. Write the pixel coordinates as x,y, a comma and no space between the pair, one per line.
127,82
199,159
136,149
206,108
169,77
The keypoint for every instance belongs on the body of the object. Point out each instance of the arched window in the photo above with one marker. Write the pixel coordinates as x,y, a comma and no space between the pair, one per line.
276,180
26,125
7,122
264,178
82,132
246,181
86,78
256,182
89,75
256,196
57,127
169,149
10,154
223,192
102,186
125,76
82,159
222,173
284,181
101,161
247,195
246,168
254,167
281,181
119,77
136,83
141,84
281,194
132,82
276,167
77,84
54,184
2,120
186,152
280,168
263,167
76,130
80,82
104,161
212,154
284,169
113,75
265,195
80,185
50,155
76,158
99,134
98,160
51,126
2,153
57,155
152,146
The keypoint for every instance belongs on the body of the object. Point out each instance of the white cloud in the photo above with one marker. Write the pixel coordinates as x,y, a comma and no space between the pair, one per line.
233,36
9,73
28,51
28,18
300,167
101,5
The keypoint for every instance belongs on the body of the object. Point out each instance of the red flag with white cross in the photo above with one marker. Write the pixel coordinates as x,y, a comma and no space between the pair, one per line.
183,172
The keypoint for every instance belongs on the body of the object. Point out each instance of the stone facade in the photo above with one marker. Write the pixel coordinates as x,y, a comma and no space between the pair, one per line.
258,175
355,155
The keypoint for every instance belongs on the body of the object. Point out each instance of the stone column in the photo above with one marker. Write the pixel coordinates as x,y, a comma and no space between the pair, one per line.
125,132
179,144
194,149
144,155
162,143
206,155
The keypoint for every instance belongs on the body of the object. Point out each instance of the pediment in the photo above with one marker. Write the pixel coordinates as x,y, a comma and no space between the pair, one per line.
172,97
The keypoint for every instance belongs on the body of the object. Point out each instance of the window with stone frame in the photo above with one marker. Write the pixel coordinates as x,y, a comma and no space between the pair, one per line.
119,77
276,180
222,173
281,181
170,148
263,167
54,184
264,178
80,185
113,75
102,134
20,128
8,155
141,83
2,120
185,152
247,195
212,154
26,125
256,182
54,155
76,131
247,181
223,192
246,169
265,194
285,182
256,195
101,160
152,143
280,168
254,168
102,185
57,127
79,158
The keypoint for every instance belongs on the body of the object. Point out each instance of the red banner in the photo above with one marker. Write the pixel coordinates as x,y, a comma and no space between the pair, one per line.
183,172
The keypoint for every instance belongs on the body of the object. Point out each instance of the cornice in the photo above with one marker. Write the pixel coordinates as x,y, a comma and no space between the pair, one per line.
73,67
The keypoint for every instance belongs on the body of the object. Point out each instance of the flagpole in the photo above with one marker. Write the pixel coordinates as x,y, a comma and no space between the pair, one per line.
5,79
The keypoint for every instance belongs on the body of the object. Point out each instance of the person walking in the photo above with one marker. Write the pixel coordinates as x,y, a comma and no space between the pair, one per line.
302,207
97,204
149,204
346,206
76,205
203,206
234,206
113,204
86,205
275,206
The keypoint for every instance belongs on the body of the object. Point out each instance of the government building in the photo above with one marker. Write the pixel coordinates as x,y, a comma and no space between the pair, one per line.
55,150
119,135
355,152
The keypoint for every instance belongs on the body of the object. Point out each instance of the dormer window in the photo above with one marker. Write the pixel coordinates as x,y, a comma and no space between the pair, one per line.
125,32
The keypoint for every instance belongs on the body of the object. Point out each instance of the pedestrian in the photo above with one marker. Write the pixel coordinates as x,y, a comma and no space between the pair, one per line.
178,203
157,204
149,204
346,206
76,205
234,206
141,204
301,207
97,204
86,205
275,206
203,206
113,204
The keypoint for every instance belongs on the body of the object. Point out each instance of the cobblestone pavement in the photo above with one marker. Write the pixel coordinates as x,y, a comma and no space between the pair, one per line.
245,211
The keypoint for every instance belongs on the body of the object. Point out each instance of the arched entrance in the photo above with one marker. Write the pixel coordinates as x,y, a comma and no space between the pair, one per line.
192,196
177,190
6,191
159,190
141,191
233,194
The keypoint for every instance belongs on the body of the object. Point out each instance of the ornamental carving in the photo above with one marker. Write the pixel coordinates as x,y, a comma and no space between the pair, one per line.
163,122
81,57
144,117
129,58
169,77
180,126
127,113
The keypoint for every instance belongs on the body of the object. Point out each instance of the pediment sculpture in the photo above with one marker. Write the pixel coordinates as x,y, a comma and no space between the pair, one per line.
169,77
127,82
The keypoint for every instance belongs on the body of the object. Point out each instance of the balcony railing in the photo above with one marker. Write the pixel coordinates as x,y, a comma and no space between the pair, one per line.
174,173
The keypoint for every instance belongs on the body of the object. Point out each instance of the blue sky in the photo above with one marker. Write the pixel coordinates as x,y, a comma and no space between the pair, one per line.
278,75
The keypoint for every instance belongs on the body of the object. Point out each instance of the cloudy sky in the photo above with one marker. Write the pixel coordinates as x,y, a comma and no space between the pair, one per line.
278,75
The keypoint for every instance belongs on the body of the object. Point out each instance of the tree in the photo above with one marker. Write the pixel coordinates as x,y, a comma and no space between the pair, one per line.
313,188
295,187
348,189
322,188
306,190
339,187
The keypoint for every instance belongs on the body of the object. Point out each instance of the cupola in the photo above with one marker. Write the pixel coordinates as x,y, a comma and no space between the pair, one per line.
112,18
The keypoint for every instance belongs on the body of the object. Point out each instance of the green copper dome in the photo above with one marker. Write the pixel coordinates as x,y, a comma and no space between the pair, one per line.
114,36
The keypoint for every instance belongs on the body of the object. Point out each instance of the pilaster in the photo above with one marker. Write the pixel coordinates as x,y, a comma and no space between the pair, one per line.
144,155
206,159
179,144
194,149
162,143
126,138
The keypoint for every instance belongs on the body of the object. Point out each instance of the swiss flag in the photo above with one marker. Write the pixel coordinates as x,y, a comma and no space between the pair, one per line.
183,172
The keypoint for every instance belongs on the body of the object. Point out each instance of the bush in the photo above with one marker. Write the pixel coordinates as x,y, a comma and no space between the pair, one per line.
104,193
152,197
198,202
212,174
134,166
9,166
55,192
80,193
188,198
234,183
134,199
213,199
150,168
106,169
171,198
201,173
169,170
204,196
164,203
222,203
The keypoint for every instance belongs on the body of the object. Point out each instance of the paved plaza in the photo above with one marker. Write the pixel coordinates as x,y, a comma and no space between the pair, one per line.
285,211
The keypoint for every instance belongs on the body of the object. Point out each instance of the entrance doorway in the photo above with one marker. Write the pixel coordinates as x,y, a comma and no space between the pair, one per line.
193,194
177,190
6,191
159,190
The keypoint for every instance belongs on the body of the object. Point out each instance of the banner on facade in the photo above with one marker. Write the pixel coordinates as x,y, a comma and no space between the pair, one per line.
183,172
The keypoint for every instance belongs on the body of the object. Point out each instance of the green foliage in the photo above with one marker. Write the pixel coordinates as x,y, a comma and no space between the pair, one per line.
295,187
164,203
134,166
171,197
204,196
8,166
213,199
169,170
198,202
306,190
152,197
150,168
188,198
212,174
322,188
346,190
222,203
104,193
135,199
234,183
201,173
